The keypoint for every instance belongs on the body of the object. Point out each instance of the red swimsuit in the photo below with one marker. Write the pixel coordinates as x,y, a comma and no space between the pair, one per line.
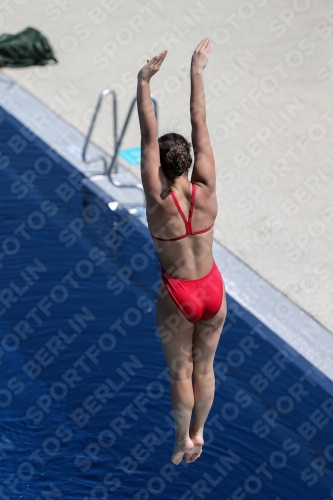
200,298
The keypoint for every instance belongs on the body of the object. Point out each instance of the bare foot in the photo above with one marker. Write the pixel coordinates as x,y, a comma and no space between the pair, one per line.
196,451
180,448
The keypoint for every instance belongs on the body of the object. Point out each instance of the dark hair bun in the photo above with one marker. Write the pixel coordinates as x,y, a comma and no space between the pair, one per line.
178,159
175,155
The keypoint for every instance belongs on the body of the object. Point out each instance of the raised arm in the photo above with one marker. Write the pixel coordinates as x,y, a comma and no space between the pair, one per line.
204,164
150,155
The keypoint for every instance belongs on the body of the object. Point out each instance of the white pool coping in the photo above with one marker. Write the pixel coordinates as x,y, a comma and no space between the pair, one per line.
293,327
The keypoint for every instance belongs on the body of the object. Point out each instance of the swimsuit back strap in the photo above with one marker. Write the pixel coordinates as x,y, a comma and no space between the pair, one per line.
204,230
187,222
191,210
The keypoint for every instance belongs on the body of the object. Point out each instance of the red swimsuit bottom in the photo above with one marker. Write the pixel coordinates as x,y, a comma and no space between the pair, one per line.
198,299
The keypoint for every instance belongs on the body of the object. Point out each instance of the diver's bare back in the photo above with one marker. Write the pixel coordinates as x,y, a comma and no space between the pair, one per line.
191,257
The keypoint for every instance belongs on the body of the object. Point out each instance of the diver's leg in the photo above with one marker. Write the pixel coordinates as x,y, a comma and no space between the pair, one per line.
176,339
205,341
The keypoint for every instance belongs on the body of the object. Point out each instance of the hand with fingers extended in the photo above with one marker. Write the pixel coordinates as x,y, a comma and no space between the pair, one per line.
152,66
201,55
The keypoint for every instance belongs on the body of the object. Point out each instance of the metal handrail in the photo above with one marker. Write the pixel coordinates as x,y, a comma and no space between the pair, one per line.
102,95
119,142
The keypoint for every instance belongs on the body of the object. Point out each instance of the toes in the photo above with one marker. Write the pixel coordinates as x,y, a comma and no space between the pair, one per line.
177,459
195,456
190,457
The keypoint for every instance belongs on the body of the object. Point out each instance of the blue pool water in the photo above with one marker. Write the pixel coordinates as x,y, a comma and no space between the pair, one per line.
84,391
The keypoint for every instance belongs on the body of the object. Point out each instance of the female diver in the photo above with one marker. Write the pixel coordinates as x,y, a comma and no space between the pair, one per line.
191,306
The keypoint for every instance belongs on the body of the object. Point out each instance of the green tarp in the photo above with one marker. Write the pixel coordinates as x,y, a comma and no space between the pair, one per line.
27,48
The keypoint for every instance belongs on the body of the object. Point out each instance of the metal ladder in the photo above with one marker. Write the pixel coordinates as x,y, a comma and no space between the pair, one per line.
117,140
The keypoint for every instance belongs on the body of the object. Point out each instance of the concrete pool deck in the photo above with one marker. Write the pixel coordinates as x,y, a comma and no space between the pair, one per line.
270,113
